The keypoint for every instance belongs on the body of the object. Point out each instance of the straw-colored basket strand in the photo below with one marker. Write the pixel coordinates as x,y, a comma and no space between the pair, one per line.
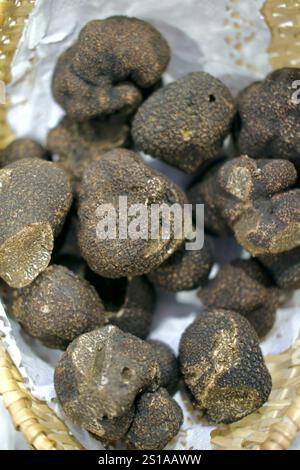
42,429
276,424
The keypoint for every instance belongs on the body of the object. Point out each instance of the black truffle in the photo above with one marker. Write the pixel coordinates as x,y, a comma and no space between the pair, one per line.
99,376
169,370
103,182
284,267
185,122
223,367
34,200
157,420
58,307
268,117
22,148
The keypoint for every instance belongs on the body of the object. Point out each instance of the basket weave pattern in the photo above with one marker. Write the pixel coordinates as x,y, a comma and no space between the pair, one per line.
272,427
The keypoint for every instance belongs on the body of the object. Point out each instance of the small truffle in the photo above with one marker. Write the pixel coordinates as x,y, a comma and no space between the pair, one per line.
22,148
284,267
168,365
129,303
121,172
243,286
185,122
223,367
101,73
35,198
99,376
76,145
205,191
260,204
58,306
268,117
157,420
184,270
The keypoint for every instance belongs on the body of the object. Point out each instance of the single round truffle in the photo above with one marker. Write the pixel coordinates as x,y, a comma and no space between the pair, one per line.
185,122
22,148
129,303
244,286
35,198
184,270
260,203
284,267
168,365
75,145
58,306
157,420
268,117
99,377
101,73
223,367
111,248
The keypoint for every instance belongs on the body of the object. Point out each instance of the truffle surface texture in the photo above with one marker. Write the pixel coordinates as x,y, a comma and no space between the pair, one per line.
168,365
22,148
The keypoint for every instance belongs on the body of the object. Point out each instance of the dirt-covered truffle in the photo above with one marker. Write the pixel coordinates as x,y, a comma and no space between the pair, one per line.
185,122
99,377
101,73
121,172
129,302
22,148
184,270
35,198
168,365
75,145
260,204
223,367
205,191
284,267
58,306
244,286
156,421
268,117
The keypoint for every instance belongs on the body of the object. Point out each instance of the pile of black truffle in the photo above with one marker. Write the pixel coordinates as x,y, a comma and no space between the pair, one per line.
94,297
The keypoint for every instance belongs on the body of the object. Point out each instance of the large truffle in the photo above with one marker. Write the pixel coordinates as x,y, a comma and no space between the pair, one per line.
58,306
223,367
284,267
156,421
134,251
169,370
76,145
268,117
129,303
243,286
185,122
260,204
35,197
102,72
184,270
22,148
99,376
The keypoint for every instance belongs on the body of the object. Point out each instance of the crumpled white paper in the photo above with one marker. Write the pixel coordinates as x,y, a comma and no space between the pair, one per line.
225,38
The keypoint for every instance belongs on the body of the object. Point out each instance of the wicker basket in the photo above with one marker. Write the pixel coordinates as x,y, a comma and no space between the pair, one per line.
274,426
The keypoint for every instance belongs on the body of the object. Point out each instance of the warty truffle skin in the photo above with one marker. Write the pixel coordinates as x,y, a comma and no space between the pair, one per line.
22,148
169,367
99,376
184,270
284,267
260,203
244,286
58,306
185,122
35,198
103,183
76,145
268,117
223,367
101,73
157,420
